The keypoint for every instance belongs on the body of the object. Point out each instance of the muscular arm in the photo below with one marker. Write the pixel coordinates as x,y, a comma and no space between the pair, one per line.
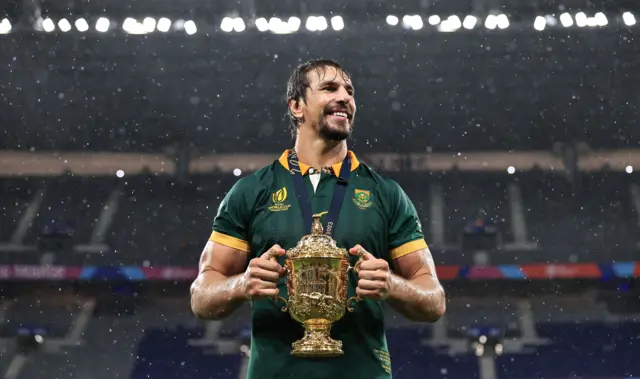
415,291
218,290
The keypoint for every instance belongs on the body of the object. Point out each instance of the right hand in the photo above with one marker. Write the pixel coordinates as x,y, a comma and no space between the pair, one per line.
262,275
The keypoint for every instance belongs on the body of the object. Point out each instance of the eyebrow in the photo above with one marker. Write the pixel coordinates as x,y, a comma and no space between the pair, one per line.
347,84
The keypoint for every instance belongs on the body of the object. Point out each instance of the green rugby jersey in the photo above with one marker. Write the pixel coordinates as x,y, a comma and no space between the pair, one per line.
261,210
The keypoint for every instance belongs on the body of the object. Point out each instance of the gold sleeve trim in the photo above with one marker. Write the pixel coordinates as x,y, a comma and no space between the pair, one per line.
408,248
229,241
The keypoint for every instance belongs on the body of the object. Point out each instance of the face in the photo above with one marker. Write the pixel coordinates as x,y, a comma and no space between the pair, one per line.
330,107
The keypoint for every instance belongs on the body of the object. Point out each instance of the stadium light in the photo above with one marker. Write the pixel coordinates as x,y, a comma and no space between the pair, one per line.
511,170
5,26
581,20
540,23
190,27
132,26
412,22
450,25
502,21
48,25
82,25
434,20
237,172
64,25
601,19
470,22
149,24
238,24
491,22
102,25
163,25
392,20
628,18
337,22
227,24
262,24
294,24
629,169
120,173
566,20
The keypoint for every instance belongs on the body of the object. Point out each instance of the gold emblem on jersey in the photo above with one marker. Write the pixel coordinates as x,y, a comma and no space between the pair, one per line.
362,199
278,198
317,280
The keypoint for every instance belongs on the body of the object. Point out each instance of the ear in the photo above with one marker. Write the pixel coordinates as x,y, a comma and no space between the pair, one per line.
295,107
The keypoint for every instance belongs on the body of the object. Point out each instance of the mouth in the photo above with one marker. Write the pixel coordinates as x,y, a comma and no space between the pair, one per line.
340,115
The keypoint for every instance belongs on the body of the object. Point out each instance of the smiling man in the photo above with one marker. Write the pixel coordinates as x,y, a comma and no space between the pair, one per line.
267,213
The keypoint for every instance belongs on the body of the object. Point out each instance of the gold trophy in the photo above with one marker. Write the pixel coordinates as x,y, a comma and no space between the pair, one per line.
317,285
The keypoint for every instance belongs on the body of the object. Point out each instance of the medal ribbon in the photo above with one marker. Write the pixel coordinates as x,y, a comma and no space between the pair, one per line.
337,199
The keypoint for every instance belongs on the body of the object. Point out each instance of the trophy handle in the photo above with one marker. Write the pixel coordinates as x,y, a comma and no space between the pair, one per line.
356,268
279,298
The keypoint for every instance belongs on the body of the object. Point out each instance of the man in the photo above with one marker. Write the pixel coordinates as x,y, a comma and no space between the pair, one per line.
265,214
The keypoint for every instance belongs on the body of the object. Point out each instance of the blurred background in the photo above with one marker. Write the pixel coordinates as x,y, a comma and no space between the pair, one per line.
512,125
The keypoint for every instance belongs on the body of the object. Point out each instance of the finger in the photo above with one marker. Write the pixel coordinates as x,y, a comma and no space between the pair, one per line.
368,294
366,256
275,251
268,275
267,265
370,285
372,274
377,264
263,293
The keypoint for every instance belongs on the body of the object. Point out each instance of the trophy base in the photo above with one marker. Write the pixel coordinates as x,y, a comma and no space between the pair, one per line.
317,342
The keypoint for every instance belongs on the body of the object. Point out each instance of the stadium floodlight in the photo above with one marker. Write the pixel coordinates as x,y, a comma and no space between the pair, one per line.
190,27
434,20
450,25
470,22
132,26
566,20
102,25
163,25
322,23
629,169
511,170
227,24
502,21
5,26
294,24
540,23
237,172
316,23
412,22
581,20
149,24
337,23
64,25
48,25
82,25
262,24
238,24
491,22
392,20
628,18
601,19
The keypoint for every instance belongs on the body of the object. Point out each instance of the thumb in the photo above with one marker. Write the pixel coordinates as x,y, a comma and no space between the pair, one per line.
367,255
275,250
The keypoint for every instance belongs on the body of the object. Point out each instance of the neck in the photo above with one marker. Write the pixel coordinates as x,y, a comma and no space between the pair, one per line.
318,152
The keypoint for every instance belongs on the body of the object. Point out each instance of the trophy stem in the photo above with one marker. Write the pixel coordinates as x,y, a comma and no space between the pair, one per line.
317,341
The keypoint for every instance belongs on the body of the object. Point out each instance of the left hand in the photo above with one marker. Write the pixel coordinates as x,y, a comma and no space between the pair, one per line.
374,276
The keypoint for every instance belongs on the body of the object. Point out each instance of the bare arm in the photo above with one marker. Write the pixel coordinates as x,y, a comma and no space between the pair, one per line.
218,290
414,289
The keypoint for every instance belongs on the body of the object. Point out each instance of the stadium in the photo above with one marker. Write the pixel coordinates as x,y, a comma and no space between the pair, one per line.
511,125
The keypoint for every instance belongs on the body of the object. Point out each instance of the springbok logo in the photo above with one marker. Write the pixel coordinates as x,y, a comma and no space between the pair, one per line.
278,198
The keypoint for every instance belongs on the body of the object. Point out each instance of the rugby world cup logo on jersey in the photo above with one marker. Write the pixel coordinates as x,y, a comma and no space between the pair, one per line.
362,199
278,198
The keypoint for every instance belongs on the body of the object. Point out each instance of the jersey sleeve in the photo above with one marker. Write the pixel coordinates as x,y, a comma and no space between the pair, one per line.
231,223
405,229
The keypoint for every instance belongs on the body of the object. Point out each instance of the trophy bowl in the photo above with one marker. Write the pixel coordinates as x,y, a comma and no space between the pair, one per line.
317,278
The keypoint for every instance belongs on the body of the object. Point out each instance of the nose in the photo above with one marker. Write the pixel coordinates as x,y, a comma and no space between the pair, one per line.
344,96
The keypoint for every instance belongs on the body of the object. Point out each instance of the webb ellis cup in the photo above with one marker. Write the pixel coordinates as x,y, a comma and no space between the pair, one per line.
317,284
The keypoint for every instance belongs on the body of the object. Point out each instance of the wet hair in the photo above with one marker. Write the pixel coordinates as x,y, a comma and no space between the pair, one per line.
299,82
